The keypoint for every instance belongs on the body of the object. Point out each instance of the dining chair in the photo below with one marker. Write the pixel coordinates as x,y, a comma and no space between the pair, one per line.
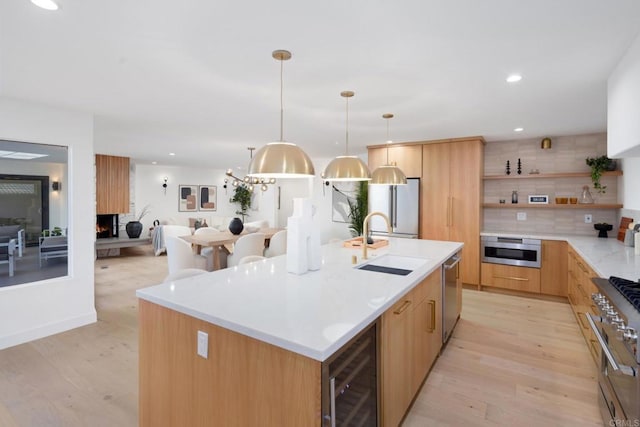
206,252
249,244
277,244
250,258
184,273
181,256
173,231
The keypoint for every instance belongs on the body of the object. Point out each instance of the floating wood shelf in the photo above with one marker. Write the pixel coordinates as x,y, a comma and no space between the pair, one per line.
551,175
551,206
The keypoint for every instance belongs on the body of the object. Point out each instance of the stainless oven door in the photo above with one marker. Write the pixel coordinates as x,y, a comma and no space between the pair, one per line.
617,378
509,251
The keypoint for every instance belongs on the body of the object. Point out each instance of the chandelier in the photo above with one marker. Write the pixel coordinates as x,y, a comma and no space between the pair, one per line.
250,181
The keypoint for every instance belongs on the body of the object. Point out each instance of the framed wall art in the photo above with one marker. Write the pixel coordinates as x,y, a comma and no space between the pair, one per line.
187,198
208,198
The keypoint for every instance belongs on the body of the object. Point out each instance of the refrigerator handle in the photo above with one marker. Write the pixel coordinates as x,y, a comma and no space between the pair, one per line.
394,221
391,205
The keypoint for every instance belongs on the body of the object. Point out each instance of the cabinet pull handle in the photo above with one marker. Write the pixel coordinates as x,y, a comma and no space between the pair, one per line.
450,211
584,270
519,279
432,303
403,307
580,317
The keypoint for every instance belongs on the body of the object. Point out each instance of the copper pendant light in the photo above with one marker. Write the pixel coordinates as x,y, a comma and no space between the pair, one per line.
281,159
388,174
346,168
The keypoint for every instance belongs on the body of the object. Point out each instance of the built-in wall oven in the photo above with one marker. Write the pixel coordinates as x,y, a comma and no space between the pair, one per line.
520,252
616,329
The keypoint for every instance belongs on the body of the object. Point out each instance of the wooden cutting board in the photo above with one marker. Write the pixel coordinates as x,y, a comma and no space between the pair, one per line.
357,243
624,226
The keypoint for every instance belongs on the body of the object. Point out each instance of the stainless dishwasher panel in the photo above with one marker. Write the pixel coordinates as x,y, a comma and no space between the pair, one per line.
450,274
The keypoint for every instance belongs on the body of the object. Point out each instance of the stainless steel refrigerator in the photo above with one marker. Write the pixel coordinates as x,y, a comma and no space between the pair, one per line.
401,203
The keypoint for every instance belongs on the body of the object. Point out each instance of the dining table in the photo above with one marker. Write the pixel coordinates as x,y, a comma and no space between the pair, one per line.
221,241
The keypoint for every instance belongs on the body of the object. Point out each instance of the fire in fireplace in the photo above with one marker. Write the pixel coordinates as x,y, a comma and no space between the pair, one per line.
106,226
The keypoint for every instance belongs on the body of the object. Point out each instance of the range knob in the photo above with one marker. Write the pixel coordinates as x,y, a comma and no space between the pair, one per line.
598,297
630,335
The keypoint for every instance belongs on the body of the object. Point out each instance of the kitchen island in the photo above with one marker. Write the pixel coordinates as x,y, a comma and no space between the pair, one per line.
268,332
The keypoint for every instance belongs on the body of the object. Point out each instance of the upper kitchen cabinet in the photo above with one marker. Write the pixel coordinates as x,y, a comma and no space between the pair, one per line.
112,184
623,105
407,157
451,191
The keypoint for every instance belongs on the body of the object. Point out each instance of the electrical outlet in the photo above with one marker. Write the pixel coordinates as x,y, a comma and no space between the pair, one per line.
521,216
203,344
588,219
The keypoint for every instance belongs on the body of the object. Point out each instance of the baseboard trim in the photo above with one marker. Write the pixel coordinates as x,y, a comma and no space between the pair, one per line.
48,329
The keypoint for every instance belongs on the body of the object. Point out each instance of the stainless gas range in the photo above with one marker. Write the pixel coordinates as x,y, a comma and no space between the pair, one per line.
616,329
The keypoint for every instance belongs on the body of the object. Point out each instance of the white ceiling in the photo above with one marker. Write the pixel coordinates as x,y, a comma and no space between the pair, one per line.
196,77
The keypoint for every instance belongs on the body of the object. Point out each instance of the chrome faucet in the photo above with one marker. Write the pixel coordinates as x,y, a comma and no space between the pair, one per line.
365,230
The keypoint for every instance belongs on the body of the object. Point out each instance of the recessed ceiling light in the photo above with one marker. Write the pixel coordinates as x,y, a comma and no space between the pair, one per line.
172,154
45,4
20,155
154,163
514,78
518,129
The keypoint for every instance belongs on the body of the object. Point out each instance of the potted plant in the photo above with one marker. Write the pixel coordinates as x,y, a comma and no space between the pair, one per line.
134,228
599,165
242,196
359,208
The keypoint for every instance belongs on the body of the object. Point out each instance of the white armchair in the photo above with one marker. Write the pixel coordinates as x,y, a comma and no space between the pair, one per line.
249,244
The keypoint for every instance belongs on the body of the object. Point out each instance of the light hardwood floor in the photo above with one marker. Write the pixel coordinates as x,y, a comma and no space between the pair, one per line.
511,361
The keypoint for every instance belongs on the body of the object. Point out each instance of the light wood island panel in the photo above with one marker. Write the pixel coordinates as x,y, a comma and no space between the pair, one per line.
244,382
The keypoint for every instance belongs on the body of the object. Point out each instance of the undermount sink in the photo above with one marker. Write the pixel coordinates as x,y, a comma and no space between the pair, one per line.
393,264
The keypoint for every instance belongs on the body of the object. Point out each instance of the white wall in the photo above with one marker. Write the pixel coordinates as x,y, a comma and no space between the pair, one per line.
55,172
149,191
34,310
164,207
623,105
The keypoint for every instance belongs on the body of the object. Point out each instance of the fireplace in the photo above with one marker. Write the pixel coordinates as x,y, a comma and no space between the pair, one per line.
106,226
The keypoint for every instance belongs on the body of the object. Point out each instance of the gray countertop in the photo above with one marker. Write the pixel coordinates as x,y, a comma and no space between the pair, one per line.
608,257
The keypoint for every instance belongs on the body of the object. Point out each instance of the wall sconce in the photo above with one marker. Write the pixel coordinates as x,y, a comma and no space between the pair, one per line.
55,185
545,144
165,185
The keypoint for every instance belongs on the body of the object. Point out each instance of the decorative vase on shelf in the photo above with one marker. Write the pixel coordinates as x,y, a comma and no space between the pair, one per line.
235,226
133,229
586,197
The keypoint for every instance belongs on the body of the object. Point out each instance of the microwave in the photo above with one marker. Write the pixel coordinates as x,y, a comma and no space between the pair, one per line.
519,252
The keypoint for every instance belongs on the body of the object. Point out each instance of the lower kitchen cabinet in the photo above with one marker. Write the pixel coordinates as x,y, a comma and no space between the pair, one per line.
411,340
579,289
525,279
553,269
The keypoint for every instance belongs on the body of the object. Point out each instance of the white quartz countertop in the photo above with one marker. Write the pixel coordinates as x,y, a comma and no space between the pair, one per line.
608,257
313,314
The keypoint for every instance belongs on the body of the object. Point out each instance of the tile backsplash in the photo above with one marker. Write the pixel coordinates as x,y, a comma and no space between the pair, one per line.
568,154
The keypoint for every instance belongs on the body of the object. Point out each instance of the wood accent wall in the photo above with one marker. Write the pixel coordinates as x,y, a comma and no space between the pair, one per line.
112,184
243,382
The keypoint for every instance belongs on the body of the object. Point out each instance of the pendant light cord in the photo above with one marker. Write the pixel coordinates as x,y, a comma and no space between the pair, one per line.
281,103
347,127
387,141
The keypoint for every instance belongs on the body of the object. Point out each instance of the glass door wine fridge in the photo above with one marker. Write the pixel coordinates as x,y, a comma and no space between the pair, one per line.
350,382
